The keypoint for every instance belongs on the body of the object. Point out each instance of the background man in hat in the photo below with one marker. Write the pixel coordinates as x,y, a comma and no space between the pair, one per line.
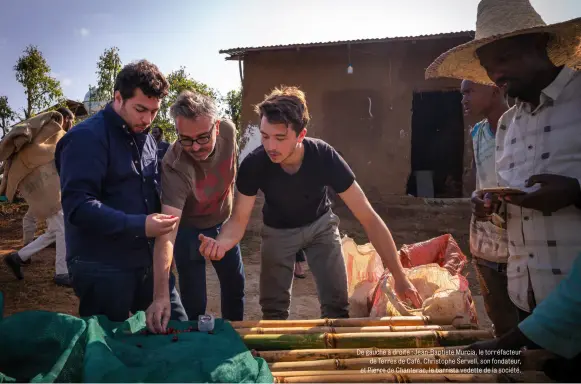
162,145
29,222
538,151
488,241
41,190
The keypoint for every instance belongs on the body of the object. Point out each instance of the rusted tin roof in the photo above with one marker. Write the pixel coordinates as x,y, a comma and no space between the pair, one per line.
237,53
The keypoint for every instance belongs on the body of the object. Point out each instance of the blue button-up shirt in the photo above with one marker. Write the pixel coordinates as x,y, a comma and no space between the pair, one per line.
109,185
162,148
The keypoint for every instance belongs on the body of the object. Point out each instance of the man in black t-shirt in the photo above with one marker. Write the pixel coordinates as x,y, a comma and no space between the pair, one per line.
294,172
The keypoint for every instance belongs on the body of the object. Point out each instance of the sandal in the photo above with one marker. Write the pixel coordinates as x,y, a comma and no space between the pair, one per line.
299,275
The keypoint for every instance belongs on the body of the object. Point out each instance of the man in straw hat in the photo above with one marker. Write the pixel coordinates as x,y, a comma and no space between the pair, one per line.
538,141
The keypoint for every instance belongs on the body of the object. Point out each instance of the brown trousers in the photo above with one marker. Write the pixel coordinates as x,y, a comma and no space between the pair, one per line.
494,287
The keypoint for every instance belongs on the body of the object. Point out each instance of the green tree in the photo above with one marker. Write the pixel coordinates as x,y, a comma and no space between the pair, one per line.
233,106
42,90
233,110
7,115
179,81
108,66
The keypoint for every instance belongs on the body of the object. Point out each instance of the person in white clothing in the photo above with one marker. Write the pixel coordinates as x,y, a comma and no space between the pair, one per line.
488,238
28,227
55,232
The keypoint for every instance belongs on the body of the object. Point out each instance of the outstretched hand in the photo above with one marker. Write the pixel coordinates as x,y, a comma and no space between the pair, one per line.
211,248
556,192
157,315
406,291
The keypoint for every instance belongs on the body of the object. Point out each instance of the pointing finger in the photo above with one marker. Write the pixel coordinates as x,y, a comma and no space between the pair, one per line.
538,179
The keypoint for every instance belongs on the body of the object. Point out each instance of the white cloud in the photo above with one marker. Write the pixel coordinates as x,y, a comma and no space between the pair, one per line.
65,81
84,32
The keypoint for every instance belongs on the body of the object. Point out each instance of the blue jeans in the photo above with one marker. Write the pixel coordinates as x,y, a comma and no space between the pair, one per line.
113,292
191,267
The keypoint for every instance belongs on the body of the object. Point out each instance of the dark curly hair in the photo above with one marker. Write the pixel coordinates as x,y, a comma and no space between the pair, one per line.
143,75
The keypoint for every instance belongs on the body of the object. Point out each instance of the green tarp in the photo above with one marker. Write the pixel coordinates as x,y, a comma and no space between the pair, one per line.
44,347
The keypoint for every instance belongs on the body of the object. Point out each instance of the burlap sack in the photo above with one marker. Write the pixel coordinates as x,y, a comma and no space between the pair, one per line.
41,189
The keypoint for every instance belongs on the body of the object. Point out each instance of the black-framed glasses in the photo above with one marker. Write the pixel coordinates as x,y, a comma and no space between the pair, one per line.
203,140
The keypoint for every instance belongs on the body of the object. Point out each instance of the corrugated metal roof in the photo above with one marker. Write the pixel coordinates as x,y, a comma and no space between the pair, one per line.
237,52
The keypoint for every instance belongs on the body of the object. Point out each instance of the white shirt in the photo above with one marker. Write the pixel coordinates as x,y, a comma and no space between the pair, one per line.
530,142
487,241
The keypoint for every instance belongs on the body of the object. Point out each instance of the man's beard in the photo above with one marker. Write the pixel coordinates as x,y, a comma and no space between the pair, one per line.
137,128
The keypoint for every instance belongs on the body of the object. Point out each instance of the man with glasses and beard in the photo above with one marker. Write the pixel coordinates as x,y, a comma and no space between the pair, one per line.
197,181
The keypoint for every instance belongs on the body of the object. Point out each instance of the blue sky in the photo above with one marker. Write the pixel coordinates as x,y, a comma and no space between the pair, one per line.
172,33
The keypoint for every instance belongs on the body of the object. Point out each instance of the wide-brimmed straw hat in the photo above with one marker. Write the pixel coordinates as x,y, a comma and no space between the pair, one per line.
499,19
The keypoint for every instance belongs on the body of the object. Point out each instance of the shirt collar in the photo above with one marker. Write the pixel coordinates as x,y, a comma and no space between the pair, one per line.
552,92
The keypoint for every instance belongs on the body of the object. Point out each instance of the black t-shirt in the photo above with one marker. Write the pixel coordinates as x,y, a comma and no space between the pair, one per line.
293,201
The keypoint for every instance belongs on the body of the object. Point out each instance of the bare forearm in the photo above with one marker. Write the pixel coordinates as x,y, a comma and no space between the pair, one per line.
233,229
231,233
382,241
162,260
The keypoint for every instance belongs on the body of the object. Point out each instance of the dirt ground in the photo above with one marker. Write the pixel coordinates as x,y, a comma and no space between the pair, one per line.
410,220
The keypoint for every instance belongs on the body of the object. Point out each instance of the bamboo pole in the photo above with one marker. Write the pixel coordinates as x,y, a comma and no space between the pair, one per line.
345,353
421,339
357,377
352,322
301,330
313,373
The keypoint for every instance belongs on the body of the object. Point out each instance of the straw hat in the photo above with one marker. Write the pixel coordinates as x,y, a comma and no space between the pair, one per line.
499,19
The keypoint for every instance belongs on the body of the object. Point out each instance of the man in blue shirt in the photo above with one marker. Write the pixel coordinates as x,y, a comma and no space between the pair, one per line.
162,145
110,196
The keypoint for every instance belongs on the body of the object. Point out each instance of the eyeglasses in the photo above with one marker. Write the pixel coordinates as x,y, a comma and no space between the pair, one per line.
188,141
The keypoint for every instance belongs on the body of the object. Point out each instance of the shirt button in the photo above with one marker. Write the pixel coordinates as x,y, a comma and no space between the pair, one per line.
518,269
531,255
131,143
526,218
530,147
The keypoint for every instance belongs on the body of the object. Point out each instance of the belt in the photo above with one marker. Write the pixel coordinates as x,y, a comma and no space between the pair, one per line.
499,267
